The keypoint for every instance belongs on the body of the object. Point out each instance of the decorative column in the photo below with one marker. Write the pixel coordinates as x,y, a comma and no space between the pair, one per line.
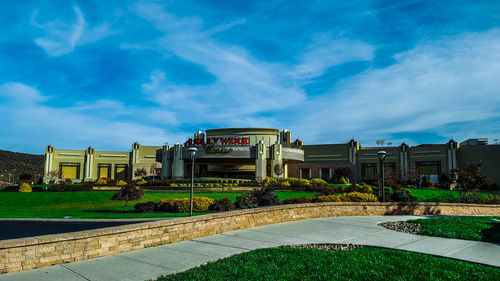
89,164
276,158
403,160
260,160
49,162
177,162
166,162
452,155
353,151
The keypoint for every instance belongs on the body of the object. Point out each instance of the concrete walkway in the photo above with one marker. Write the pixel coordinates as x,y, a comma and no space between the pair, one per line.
150,263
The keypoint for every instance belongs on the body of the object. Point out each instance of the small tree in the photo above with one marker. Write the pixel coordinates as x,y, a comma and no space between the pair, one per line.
469,178
53,175
140,173
128,193
278,170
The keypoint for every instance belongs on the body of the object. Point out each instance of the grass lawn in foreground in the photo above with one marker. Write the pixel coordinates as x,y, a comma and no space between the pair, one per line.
357,264
485,229
86,204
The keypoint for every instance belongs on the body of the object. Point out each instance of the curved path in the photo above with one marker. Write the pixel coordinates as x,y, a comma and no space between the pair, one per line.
150,263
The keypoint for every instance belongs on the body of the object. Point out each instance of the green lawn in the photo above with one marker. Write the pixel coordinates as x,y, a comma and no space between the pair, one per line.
469,228
78,204
357,264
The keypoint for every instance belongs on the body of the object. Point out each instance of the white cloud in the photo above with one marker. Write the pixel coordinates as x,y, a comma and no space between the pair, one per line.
326,51
454,79
62,37
25,118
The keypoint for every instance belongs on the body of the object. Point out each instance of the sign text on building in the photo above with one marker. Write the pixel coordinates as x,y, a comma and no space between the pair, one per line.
219,141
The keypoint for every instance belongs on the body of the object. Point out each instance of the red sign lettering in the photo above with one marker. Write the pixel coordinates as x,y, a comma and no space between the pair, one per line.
223,141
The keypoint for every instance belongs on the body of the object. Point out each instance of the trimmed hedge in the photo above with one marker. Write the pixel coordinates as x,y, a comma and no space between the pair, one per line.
173,205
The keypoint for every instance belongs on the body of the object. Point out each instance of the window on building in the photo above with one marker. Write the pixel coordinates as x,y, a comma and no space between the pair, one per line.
369,171
305,173
325,173
69,170
121,171
429,170
104,170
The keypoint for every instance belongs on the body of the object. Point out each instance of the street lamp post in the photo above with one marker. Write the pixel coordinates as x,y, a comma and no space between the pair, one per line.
192,151
381,157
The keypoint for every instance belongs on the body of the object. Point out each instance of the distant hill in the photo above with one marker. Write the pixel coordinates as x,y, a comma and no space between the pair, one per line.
16,163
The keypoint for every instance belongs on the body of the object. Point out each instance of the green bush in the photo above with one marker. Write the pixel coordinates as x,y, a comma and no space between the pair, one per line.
269,182
25,187
147,207
101,181
344,180
358,197
266,197
327,198
121,183
247,200
299,182
224,204
318,182
174,205
298,200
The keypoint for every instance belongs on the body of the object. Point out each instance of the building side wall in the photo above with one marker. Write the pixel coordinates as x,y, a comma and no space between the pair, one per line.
488,155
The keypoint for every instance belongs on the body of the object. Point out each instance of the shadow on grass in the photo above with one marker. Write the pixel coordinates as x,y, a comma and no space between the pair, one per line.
492,234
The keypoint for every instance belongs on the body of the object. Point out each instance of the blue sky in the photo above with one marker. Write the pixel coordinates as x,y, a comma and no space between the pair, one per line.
109,73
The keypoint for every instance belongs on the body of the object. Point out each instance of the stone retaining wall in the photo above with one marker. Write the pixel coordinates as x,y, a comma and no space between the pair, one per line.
41,251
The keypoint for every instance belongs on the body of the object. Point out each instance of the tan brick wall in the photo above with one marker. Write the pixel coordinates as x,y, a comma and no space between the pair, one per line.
41,251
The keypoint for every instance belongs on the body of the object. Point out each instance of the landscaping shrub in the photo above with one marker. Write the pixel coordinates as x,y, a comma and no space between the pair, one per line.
366,189
298,200
318,182
200,204
269,181
299,182
141,182
285,184
224,204
161,183
101,181
25,187
327,198
121,183
344,180
402,196
246,200
266,197
358,197
325,190
147,207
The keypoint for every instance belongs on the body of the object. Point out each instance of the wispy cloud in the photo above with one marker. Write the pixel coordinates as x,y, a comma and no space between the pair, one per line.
439,82
77,127
62,37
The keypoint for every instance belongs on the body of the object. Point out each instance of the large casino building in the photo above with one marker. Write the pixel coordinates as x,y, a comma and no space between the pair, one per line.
251,153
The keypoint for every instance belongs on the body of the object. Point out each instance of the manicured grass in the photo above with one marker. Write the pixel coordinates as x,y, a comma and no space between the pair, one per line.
469,228
86,204
357,264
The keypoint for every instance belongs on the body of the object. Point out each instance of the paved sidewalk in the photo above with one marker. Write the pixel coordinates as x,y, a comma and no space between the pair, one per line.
150,263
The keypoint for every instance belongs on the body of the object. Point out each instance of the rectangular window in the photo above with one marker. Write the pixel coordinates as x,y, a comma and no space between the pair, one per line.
104,171
429,168
121,171
325,173
305,173
69,170
369,171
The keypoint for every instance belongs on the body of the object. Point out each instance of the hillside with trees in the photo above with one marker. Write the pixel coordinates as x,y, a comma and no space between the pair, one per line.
20,165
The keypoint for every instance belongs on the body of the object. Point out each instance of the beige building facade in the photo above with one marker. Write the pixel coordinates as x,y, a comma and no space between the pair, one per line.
253,153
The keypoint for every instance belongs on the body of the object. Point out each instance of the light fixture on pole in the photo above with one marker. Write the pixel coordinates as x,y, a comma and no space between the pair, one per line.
192,151
381,158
